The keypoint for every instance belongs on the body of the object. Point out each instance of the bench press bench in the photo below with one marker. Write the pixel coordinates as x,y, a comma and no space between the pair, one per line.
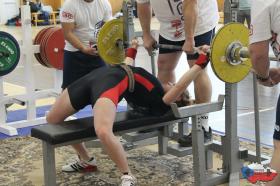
81,130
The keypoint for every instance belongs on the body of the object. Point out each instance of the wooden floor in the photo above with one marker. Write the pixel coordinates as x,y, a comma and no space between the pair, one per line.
267,96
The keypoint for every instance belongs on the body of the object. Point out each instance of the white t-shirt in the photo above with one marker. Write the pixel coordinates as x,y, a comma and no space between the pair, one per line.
88,18
170,15
265,24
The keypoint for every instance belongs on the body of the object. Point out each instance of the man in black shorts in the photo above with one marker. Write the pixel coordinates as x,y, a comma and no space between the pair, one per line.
185,23
104,96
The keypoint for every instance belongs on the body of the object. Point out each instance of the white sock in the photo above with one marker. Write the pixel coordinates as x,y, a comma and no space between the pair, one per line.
203,119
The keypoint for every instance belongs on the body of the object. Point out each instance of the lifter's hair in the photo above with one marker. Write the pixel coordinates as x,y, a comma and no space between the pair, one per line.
186,99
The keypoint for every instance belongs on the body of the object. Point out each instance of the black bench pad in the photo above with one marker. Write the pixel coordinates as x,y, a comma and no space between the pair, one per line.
83,128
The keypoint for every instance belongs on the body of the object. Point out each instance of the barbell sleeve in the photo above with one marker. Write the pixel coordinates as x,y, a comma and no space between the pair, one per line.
244,53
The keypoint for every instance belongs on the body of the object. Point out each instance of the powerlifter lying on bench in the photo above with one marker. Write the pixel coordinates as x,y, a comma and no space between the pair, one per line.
104,87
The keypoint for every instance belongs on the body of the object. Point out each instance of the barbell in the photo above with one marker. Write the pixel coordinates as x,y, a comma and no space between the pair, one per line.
228,52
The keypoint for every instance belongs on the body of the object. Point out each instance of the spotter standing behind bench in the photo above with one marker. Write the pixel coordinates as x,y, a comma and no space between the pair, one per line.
103,88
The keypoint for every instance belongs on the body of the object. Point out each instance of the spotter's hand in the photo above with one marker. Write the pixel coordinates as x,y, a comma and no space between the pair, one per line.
204,49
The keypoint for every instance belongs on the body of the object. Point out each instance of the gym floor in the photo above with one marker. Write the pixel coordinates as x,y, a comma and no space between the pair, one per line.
267,96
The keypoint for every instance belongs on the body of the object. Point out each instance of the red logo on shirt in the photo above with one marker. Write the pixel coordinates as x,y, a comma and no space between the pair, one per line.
177,24
67,15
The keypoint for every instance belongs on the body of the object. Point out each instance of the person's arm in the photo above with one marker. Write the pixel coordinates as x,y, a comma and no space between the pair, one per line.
68,25
116,5
68,29
259,53
177,90
131,52
190,15
259,56
172,95
144,13
260,35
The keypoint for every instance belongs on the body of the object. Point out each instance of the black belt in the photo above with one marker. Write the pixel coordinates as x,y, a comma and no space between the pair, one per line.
131,80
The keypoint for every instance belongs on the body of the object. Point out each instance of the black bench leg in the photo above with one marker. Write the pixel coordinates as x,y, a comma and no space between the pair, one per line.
49,164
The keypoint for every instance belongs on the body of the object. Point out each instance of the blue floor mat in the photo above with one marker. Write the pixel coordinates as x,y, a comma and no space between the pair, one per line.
19,115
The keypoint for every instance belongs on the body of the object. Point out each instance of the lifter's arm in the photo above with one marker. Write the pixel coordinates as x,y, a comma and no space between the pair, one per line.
176,91
172,95
131,52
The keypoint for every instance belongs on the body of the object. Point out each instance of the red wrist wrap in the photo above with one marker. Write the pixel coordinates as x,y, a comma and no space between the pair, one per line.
131,52
202,60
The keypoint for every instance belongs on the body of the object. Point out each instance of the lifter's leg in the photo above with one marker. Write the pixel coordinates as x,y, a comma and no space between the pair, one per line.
61,109
104,115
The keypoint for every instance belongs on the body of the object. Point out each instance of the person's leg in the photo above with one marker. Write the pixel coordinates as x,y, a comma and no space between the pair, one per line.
104,115
167,61
202,90
61,109
166,67
202,84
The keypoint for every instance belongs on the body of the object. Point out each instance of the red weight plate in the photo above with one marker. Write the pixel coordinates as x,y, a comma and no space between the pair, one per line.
40,42
54,48
37,41
43,46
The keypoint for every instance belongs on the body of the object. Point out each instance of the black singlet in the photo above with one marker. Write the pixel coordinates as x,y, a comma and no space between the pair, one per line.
112,83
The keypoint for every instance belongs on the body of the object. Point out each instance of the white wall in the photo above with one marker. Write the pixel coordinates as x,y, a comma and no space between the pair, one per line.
8,10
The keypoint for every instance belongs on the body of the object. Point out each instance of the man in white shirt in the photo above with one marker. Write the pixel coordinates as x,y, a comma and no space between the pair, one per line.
265,31
185,23
81,21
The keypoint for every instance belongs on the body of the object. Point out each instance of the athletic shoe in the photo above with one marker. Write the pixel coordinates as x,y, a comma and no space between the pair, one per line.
81,166
186,141
128,180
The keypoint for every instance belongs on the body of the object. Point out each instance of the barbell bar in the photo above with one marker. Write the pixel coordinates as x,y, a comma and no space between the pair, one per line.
235,52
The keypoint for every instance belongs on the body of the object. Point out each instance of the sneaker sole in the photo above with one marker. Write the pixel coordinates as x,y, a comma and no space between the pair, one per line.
90,169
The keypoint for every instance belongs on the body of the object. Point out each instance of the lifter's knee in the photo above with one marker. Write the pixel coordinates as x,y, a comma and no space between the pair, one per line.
103,132
51,119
